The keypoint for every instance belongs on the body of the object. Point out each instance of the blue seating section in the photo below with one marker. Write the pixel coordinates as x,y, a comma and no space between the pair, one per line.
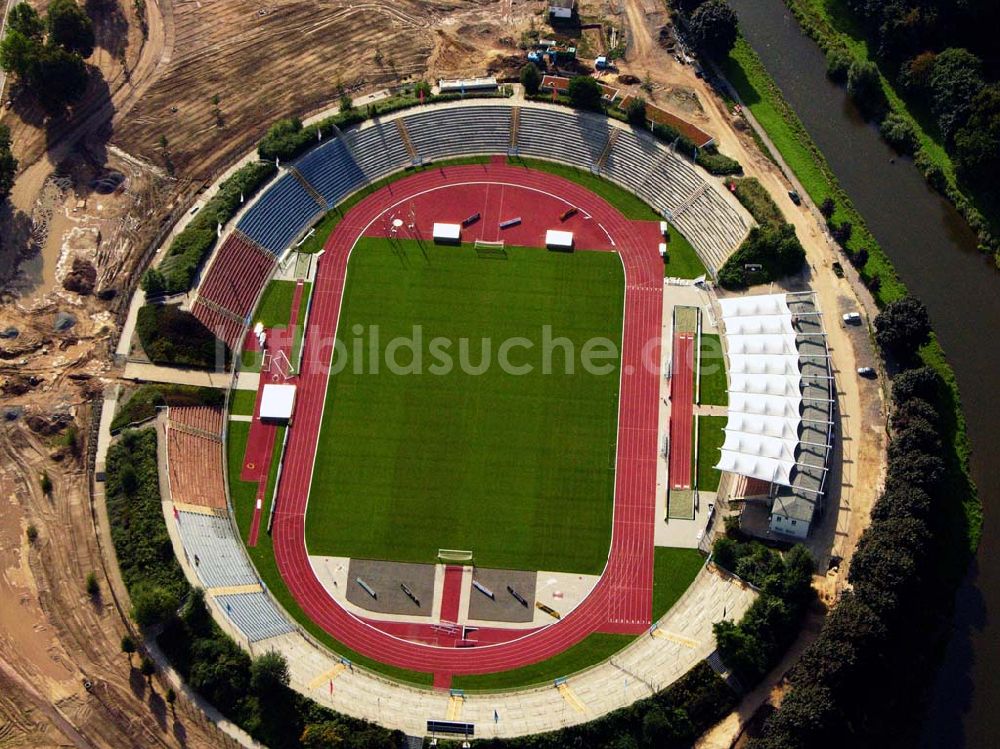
284,210
331,171
254,615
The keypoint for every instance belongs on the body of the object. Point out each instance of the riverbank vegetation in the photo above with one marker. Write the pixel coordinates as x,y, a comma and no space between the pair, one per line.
855,683
252,692
934,92
861,680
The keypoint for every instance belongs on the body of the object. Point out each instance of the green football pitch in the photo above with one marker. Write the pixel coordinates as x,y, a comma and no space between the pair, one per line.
517,467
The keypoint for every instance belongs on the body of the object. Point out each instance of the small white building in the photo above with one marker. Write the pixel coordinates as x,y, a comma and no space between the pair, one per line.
448,233
277,402
559,240
561,8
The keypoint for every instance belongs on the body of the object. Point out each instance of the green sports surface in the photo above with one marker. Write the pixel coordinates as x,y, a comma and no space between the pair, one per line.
516,467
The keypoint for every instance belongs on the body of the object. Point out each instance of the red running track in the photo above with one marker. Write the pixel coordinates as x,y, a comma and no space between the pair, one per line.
622,599
260,440
681,411
451,593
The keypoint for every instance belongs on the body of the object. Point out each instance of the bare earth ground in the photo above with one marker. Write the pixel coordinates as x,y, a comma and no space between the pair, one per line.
262,61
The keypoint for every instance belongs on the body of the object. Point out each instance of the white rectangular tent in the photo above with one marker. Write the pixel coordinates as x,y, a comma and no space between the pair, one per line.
448,233
559,240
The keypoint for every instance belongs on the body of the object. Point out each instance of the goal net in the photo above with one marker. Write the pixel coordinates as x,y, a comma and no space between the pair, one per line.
454,555
486,249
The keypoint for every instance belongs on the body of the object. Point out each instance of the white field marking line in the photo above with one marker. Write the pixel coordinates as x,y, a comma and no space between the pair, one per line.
340,313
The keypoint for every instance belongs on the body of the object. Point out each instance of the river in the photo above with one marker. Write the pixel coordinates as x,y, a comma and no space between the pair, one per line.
935,254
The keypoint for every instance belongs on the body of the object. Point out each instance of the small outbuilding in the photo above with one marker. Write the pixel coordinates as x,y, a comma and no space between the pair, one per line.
559,240
561,8
448,233
277,403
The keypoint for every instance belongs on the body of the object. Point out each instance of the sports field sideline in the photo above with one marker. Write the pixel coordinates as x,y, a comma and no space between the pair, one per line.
516,467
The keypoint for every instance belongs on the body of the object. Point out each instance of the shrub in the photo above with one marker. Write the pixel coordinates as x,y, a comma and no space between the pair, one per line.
838,62
169,335
775,248
716,163
45,482
899,133
32,533
827,207
92,586
531,79
635,112
757,201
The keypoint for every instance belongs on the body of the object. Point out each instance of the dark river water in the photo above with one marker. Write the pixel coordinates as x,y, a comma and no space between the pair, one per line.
935,254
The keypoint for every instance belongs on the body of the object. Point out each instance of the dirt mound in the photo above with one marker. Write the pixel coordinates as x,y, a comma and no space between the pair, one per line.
81,278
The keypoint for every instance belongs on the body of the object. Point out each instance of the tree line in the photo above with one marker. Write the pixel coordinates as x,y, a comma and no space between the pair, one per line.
943,57
859,683
253,692
47,54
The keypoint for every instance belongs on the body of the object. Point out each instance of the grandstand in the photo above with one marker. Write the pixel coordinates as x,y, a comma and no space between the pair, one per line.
194,456
571,137
254,615
378,149
441,133
283,211
229,290
332,171
221,560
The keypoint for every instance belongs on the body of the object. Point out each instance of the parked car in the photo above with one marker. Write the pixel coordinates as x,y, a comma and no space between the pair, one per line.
852,318
838,269
796,198
866,372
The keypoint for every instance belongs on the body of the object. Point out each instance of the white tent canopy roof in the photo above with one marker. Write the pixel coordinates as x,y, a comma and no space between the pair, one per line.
765,396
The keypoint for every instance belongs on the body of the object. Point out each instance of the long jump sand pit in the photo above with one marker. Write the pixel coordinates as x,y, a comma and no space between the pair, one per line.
386,579
504,608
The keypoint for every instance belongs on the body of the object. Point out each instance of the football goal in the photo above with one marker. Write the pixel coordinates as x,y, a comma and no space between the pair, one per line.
454,555
490,250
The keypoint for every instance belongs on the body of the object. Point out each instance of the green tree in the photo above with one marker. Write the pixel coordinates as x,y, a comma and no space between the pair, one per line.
269,674
898,133
838,62
636,111
954,82
25,20
58,78
585,93
864,84
8,164
147,667
70,27
923,383
152,604
902,327
713,28
19,54
128,646
531,79
325,735
977,142
93,587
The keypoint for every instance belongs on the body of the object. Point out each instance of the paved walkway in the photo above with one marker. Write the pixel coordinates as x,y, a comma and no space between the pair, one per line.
651,663
155,373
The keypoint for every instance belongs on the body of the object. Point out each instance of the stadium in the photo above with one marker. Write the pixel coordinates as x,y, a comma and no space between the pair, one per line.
493,548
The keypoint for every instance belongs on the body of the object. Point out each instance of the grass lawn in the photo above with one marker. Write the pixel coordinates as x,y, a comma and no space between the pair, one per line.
516,467
243,495
241,402
710,439
712,385
673,572
592,650
745,71
682,260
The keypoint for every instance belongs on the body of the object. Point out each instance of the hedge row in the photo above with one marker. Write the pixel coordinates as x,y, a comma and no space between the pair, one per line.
191,247
253,693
